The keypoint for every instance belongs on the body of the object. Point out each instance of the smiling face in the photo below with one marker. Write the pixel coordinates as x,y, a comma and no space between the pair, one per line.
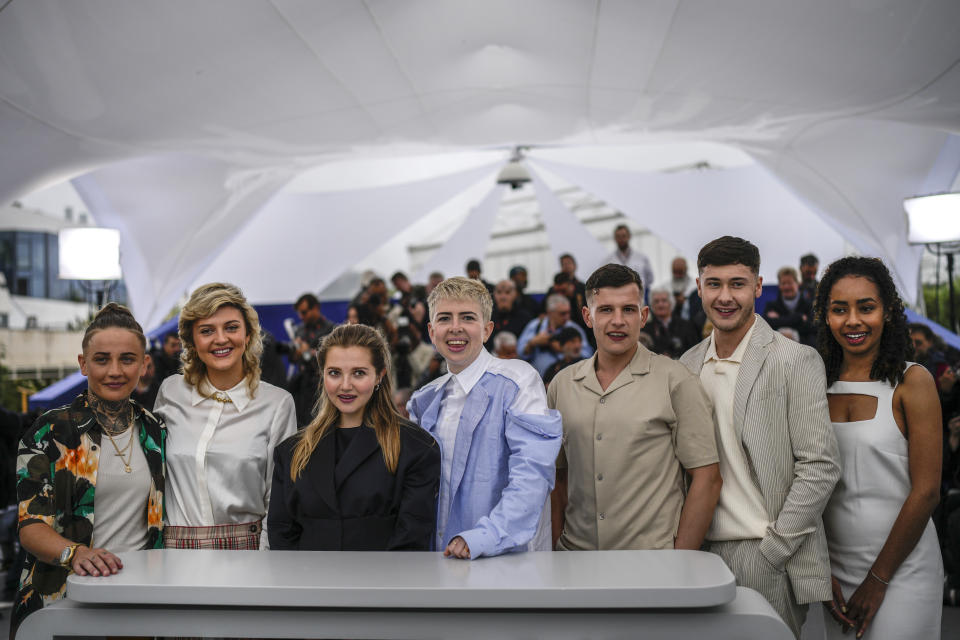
616,315
728,293
458,332
855,315
349,380
220,341
113,362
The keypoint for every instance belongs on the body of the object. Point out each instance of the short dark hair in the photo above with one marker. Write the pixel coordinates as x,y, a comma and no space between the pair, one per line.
171,334
728,250
473,265
562,278
917,327
568,255
399,274
808,258
567,334
309,298
514,270
621,226
612,275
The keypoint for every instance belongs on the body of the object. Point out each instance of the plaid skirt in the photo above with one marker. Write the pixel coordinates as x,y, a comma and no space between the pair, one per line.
222,536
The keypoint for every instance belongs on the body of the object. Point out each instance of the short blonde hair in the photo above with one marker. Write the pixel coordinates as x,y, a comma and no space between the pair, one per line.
788,271
460,288
205,301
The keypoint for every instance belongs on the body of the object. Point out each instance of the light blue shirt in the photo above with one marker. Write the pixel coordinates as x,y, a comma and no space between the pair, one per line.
542,357
499,468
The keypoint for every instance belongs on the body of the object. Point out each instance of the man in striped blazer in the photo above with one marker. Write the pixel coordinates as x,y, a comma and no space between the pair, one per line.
778,454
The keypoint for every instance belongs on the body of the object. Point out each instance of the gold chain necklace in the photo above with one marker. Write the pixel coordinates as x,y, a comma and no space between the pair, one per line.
128,448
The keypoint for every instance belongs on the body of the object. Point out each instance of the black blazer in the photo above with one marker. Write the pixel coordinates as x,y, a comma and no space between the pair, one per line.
356,505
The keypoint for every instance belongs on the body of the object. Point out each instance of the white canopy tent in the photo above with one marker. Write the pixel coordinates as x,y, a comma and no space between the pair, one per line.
190,126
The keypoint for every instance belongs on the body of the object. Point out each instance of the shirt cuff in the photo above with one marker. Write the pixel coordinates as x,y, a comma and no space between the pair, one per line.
475,542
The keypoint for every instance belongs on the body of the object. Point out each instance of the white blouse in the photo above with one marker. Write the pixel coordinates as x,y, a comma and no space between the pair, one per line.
220,452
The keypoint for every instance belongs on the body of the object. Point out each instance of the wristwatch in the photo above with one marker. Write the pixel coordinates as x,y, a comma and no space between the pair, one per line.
66,556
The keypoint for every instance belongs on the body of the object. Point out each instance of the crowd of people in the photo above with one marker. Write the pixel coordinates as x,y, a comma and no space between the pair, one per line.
802,445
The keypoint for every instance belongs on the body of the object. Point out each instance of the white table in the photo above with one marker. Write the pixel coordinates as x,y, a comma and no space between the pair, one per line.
654,594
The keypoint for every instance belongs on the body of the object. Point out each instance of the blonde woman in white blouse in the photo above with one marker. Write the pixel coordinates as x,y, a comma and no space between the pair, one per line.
223,424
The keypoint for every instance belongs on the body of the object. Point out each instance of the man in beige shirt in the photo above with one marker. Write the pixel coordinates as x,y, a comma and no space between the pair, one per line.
633,423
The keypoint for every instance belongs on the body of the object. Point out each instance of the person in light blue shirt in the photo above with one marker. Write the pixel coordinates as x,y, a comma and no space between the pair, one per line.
498,440
538,345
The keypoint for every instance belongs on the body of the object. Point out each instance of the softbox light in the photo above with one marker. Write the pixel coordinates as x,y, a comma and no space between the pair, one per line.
933,219
89,254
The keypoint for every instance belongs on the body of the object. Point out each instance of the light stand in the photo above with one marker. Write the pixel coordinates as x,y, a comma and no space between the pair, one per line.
934,221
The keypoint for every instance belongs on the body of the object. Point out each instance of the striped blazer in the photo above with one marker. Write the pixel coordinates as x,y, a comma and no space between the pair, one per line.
780,411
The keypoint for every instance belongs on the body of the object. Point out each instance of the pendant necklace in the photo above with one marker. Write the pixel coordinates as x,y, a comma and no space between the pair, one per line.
128,448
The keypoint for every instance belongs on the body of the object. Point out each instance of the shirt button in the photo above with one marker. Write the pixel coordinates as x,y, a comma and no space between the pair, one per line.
602,516
603,400
599,476
599,436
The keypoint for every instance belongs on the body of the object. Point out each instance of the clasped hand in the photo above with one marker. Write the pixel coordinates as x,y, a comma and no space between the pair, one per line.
858,612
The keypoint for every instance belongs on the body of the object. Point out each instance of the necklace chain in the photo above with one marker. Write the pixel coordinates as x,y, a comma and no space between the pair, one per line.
128,448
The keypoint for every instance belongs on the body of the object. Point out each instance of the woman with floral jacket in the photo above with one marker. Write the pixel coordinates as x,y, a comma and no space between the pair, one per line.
90,475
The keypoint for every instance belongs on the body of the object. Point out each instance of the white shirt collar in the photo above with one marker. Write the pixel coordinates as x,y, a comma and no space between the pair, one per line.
239,394
470,376
737,355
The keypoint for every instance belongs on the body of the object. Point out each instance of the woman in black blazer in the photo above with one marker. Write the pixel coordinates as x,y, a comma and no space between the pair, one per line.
359,477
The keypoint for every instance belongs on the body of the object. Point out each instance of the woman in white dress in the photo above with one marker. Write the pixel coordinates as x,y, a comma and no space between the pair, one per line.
223,425
884,554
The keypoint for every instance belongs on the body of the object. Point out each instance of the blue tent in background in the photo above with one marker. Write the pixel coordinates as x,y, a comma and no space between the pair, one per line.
950,338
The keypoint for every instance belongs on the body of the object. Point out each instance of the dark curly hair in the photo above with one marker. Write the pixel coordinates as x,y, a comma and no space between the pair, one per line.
895,345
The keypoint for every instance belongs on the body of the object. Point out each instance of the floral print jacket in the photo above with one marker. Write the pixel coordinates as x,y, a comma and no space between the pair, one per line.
56,480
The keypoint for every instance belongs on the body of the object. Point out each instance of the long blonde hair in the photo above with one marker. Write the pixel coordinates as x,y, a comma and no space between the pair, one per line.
380,414
205,301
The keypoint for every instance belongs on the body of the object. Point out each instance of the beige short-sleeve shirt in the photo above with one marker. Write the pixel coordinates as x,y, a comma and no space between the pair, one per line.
626,448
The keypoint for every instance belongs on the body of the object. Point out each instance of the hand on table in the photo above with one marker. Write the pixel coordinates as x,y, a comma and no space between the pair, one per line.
458,549
95,562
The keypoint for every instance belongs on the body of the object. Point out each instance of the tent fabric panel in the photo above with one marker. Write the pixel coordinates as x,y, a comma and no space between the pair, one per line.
690,208
468,241
302,242
565,231
176,213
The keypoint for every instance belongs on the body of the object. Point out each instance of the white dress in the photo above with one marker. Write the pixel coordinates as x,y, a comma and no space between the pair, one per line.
874,484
